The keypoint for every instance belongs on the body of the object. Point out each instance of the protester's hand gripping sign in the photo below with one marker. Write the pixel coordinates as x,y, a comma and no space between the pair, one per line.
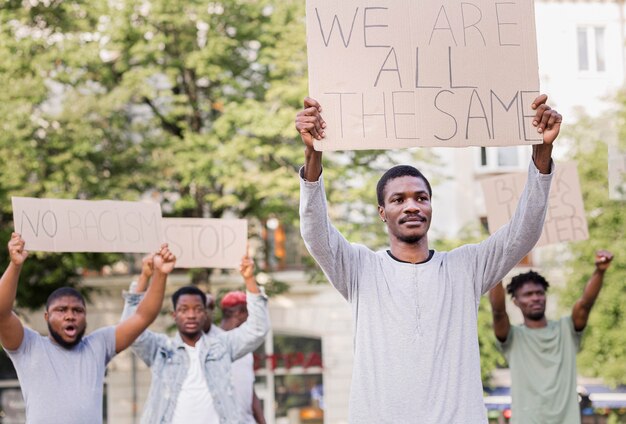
206,243
61,225
404,73
565,215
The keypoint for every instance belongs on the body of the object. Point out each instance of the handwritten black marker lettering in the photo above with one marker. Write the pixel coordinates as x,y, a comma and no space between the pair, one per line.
456,126
229,237
395,69
501,23
396,114
417,74
34,228
53,226
483,117
74,222
204,237
326,40
366,26
443,28
131,227
373,115
514,101
472,24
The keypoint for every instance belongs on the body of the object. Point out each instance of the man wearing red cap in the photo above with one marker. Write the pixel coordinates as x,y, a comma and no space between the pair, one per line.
235,313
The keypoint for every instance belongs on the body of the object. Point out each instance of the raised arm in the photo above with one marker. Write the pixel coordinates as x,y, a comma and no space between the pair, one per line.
128,330
582,307
11,330
147,269
548,123
249,335
500,252
310,125
501,324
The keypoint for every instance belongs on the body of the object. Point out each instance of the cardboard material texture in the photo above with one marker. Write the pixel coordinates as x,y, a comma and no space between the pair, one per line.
565,217
205,242
61,225
437,73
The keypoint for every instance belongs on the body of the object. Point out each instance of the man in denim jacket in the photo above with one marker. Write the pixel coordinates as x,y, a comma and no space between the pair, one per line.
191,381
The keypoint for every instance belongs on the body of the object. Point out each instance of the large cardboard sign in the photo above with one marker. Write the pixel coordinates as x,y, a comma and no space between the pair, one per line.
205,242
58,225
565,217
402,73
617,173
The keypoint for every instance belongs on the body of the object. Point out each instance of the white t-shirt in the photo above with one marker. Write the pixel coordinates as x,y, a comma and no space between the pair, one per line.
243,379
194,403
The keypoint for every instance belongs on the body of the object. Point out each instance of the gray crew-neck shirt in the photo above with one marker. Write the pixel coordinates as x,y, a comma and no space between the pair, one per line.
63,386
543,372
416,357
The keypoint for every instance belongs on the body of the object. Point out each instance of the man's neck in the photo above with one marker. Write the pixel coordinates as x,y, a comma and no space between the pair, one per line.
410,252
227,324
191,341
534,324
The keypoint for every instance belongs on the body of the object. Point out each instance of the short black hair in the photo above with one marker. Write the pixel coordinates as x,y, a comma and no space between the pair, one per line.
193,290
397,172
521,279
64,292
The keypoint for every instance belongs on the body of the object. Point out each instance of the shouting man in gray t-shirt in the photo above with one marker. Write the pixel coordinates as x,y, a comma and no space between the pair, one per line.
62,375
416,357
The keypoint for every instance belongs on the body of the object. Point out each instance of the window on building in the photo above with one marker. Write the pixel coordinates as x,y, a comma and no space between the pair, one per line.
289,380
591,49
500,159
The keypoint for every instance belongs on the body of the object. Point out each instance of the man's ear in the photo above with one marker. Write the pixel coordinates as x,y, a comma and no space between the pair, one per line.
381,213
514,299
45,316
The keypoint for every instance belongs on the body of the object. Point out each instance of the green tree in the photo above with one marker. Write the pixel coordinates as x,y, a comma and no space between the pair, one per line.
191,102
604,342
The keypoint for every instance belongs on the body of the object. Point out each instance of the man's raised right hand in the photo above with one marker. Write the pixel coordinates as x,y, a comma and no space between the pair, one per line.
16,249
309,122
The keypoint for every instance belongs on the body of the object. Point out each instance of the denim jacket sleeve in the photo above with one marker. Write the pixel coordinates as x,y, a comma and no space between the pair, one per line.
249,335
147,344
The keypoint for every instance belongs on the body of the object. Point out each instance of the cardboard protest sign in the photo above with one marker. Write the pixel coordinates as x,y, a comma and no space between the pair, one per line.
617,173
60,225
428,73
206,243
565,217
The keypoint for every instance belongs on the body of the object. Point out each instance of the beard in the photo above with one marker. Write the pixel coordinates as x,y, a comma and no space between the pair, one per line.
409,239
536,316
64,344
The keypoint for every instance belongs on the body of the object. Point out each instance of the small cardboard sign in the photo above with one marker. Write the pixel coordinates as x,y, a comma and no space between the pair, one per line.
61,225
205,242
565,217
403,73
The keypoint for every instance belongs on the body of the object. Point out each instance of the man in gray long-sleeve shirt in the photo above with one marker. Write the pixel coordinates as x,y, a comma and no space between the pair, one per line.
414,309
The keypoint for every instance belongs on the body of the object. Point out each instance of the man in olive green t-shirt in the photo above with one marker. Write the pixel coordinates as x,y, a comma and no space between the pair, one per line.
542,353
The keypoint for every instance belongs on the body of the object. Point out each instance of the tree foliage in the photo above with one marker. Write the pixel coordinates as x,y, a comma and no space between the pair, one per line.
604,342
190,103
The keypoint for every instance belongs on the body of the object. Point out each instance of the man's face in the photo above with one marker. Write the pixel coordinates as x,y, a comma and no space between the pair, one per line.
190,315
531,299
67,321
241,316
407,208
